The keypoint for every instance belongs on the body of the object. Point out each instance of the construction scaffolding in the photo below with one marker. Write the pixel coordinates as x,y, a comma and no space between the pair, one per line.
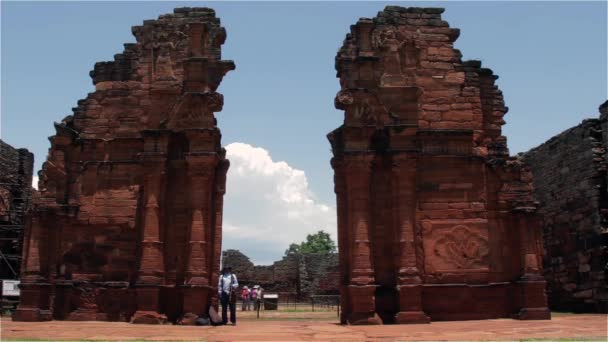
13,208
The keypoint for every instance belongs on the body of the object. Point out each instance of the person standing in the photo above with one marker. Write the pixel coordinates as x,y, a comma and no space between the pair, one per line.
227,287
261,297
245,298
254,297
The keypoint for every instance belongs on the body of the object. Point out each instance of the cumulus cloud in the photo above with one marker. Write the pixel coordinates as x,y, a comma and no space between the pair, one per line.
35,182
268,205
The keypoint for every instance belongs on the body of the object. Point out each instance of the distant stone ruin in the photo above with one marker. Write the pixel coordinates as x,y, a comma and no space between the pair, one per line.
570,182
16,167
435,220
294,276
128,222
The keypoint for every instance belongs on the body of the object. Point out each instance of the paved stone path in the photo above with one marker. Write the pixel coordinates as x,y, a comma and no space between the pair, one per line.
580,327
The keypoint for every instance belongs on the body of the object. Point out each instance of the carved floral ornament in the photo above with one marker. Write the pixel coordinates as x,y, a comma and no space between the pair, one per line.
462,248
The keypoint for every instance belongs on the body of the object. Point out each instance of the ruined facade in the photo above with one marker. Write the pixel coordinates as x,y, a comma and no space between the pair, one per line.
128,221
570,183
294,276
435,220
16,167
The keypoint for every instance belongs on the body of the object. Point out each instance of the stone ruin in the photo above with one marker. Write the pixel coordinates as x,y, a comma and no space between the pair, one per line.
16,168
435,220
127,224
570,182
294,277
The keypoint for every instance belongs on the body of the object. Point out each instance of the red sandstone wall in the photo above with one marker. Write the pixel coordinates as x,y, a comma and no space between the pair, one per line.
435,220
130,200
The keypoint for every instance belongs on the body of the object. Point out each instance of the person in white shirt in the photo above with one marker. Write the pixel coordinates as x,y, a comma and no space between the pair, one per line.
226,288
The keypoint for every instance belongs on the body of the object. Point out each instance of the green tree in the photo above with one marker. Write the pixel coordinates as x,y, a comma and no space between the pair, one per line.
320,243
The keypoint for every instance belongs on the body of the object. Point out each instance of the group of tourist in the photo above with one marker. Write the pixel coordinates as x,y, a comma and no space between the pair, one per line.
251,297
227,289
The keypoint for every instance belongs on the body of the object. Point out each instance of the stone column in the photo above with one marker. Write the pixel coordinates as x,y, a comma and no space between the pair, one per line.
151,267
532,285
362,288
34,288
343,245
216,250
409,284
364,34
201,172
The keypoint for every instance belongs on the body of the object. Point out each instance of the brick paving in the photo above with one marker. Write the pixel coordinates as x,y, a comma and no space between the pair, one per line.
584,327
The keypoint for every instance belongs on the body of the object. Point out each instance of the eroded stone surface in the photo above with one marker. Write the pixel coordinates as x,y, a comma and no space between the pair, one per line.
570,182
435,220
127,222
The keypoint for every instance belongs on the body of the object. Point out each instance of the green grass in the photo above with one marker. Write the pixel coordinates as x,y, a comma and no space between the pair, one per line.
301,310
42,339
320,319
568,339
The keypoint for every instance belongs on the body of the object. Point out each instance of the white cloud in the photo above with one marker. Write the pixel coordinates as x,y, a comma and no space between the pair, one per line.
269,205
35,182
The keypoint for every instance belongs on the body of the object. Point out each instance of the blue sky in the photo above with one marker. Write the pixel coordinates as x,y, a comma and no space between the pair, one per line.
550,56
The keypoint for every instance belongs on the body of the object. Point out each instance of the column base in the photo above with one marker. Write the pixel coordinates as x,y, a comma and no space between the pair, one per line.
362,309
34,303
195,303
412,317
148,317
533,298
32,315
410,305
148,305
533,314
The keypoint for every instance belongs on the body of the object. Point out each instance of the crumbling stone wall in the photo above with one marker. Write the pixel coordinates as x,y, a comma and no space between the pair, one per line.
128,222
16,167
435,219
570,184
300,275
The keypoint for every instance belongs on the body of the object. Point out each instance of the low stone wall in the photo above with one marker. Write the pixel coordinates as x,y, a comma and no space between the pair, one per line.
299,275
570,181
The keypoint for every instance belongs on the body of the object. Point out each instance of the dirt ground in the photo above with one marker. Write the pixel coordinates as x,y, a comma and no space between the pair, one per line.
296,325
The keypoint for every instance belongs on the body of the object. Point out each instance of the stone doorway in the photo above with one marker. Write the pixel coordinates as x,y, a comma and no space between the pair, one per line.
387,303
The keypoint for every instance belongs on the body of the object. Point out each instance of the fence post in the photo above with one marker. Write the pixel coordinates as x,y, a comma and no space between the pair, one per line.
338,302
